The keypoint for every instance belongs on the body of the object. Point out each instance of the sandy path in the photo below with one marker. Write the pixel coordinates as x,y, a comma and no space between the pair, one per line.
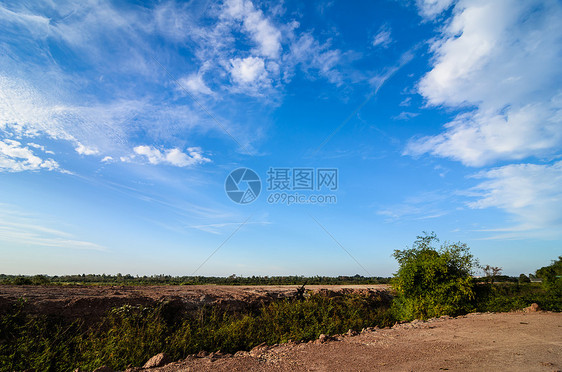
477,342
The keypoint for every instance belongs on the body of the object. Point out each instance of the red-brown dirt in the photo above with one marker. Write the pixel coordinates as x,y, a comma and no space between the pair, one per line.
93,301
476,342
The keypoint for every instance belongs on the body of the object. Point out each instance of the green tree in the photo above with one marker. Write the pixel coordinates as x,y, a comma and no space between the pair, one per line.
432,282
551,276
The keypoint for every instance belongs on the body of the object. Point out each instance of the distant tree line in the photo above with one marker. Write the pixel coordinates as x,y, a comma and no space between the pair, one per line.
128,279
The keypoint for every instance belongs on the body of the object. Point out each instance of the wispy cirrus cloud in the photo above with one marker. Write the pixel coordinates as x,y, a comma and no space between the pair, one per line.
383,38
531,193
18,227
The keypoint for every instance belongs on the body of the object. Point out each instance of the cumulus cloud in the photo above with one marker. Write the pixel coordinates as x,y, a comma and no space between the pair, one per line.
501,62
85,150
14,157
250,70
532,193
172,156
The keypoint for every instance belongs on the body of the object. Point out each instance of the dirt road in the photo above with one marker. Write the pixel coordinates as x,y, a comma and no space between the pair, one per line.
477,342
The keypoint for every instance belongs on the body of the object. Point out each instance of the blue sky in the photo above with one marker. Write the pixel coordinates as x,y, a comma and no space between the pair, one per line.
120,122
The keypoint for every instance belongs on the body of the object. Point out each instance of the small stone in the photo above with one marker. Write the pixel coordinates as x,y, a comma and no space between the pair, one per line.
202,354
533,308
158,360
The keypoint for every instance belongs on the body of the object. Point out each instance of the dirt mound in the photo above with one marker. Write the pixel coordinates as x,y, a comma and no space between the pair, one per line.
92,302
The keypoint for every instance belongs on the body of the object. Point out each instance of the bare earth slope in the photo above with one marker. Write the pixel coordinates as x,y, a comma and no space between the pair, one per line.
477,342
93,301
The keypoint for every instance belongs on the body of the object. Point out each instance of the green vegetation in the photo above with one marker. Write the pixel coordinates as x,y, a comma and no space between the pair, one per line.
552,276
119,279
130,335
507,297
432,282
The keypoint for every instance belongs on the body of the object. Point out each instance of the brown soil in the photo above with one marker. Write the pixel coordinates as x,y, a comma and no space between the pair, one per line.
93,301
477,342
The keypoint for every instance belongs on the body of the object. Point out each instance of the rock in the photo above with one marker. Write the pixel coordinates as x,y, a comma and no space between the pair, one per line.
259,350
533,308
158,360
104,369
322,339
217,355
202,354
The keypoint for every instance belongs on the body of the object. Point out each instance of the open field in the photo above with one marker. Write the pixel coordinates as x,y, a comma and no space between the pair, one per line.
514,341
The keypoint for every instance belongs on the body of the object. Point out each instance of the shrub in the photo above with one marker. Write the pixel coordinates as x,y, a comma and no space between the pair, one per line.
432,282
524,279
552,277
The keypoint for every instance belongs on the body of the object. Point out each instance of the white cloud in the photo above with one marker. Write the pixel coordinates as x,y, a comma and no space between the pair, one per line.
262,31
310,54
85,150
501,61
40,147
172,156
107,159
431,8
195,84
16,158
383,38
532,193
248,71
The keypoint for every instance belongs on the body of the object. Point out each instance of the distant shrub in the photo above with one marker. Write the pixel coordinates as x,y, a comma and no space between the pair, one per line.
21,280
432,282
524,279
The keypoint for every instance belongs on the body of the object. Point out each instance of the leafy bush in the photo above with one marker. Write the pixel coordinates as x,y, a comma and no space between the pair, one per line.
552,277
432,282
508,297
